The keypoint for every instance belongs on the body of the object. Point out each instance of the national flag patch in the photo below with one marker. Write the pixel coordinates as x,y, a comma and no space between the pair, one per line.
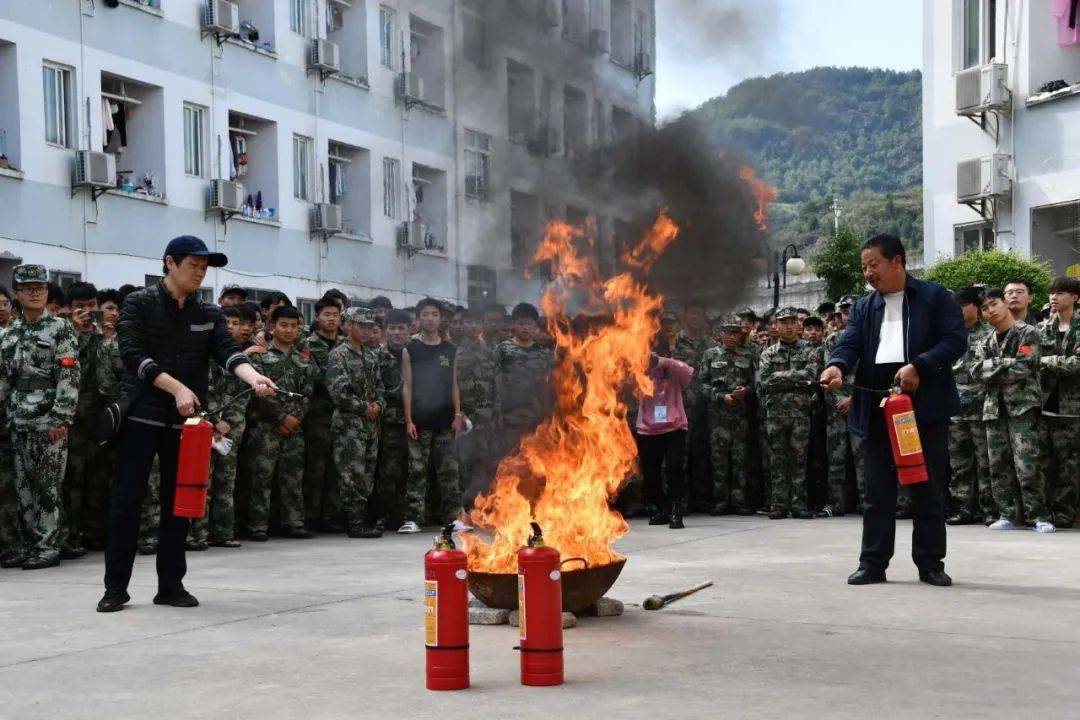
68,362
1026,350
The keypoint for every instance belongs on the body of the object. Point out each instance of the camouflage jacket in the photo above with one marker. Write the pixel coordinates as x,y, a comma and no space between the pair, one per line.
393,412
293,371
834,396
89,403
722,370
1010,371
353,379
1059,364
39,374
319,348
691,351
476,380
522,395
787,378
223,387
972,393
108,369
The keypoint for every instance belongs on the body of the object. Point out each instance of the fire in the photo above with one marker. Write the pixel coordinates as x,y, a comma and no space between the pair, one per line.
567,470
765,194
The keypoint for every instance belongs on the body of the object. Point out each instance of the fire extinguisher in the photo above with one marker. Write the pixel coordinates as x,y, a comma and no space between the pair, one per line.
540,612
446,615
193,468
904,436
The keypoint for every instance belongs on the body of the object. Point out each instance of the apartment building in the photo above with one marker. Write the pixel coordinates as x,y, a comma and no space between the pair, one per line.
399,148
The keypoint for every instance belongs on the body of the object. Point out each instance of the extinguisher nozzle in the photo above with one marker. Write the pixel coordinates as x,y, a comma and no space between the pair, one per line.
537,539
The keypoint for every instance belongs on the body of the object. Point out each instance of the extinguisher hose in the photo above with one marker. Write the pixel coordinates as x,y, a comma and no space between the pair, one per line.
215,412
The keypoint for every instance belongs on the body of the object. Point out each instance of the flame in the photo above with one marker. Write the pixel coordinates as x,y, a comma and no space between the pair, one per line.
765,194
564,474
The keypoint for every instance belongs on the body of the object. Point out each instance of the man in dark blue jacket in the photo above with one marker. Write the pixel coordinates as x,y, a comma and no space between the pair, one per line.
907,333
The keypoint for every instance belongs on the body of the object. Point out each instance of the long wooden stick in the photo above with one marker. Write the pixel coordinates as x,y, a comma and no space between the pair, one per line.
655,602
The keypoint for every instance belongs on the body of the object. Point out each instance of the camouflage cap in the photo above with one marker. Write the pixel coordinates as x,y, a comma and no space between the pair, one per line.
234,290
361,315
847,301
29,274
732,322
747,312
670,315
786,312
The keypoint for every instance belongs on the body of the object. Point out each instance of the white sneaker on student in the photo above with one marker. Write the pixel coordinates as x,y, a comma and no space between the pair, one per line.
1041,526
409,528
1002,524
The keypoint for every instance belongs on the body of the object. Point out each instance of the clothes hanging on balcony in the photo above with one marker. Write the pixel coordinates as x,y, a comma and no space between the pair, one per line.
337,182
1067,13
106,121
240,158
115,130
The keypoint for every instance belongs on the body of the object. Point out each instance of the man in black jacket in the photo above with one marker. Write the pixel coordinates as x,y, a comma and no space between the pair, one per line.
908,333
166,337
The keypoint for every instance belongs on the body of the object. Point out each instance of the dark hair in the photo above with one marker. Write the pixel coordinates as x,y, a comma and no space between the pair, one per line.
55,294
889,246
835,315
326,302
825,308
233,311
285,312
466,313
272,297
525,311
6,293
993,294
1017,281
398,317
380,301
814,321
495,308
177,259
108,295
1065,284
249,312
969,296
804,311
124,290
333,294
429,302
80,291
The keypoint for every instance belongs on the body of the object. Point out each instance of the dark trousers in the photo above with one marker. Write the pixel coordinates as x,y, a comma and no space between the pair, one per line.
928,498
663,453
137,445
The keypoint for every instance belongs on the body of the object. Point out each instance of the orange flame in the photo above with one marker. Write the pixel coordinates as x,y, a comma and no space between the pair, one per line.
576,460
765,194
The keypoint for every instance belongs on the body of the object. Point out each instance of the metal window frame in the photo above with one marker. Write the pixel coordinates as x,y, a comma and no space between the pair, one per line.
62,81
388,24
195,148
303,158
391,187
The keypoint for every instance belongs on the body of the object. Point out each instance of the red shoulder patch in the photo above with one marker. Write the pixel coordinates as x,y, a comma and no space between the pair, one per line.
68,361
1026,350
306,354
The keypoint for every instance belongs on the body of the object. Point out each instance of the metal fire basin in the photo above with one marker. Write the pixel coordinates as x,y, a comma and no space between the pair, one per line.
581,587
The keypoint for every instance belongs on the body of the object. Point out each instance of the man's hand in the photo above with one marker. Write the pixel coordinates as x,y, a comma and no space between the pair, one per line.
283,430
832,378
255,350
372,411
908,377
729,399
410,428
291,423
458,424
843,405
57,433
739,393
262,385
222,428
186,402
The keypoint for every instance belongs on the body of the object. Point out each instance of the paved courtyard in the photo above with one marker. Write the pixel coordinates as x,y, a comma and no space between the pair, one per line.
332,628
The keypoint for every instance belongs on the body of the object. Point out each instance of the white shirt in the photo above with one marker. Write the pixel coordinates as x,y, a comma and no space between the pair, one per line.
891,347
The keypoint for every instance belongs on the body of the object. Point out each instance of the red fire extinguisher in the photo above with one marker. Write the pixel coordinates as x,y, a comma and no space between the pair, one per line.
193,468
446,615
540,612
904,436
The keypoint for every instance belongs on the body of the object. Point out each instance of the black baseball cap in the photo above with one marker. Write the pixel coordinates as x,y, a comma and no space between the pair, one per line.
191,245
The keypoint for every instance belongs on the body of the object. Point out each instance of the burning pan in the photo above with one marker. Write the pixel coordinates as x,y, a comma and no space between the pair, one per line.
581,587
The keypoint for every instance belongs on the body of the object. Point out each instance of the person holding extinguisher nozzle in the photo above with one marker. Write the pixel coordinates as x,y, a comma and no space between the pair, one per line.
166,338
909,332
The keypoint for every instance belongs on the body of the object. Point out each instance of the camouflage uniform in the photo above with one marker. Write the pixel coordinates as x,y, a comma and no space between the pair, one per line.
352,376
696,459
1060,371
1010,371
11,549
972,495
720,372
476,384
322,501
393,464
786,376
522,396
761,419
276,461
39,390
841,445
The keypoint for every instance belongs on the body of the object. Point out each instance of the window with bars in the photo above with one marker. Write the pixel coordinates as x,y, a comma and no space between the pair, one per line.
194,140
299,14
391,187
64,278
302,164
477,165
57,88
388,37
975,236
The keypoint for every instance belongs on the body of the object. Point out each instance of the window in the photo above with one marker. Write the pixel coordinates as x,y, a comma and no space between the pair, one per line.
391,174
599,127
477,165
481,288
307,310
622,32
302,164
575,122
428,59
349,170
63,278
974,236
521,100
524,222
575,14
430,208
346,25
57,84
978,32
253,161
474,32
299,13
194,139
387,37
10,121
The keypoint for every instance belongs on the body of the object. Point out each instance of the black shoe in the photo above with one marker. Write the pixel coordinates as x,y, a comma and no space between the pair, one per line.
72,553
364,531
660,519
258,536
802,515
676,517
12,561
332,527
40,563
718,510
113,601
297,533
935,577
866,576
828,512
148,549
989,520
745,512
903,514
177,598
960,519
778,515
196,545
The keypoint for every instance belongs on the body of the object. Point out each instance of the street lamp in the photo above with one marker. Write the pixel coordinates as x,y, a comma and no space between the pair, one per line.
794,265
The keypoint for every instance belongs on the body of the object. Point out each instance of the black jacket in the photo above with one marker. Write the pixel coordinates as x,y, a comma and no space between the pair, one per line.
934,338
156,335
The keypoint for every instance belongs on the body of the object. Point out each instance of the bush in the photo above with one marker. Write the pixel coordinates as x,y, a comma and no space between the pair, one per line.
836,261
992,269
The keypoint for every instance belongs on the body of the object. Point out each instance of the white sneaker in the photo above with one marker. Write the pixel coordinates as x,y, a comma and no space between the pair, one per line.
1002,524
460,527
1041,526
409,528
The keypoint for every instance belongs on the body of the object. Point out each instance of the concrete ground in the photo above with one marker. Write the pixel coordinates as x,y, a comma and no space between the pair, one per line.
332,628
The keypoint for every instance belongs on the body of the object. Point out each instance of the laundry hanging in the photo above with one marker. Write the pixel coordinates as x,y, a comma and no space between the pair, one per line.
107,124
1067,13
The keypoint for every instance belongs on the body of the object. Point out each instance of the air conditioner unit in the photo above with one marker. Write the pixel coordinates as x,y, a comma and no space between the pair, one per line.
325,57
327,218
94,169
222,16
547,13
411,86
983,89
226,195
598,42
643,64
983,178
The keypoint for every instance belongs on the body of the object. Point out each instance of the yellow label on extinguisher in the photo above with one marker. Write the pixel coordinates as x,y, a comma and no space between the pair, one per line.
907,433
521,606
431,613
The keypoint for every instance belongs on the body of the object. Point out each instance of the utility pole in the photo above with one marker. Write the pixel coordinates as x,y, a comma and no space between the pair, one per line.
837,212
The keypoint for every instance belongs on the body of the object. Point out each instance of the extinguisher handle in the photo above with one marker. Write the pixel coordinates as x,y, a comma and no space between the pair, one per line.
586,562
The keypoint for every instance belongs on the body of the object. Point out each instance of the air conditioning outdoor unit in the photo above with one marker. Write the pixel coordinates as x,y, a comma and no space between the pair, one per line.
598,42
94,170
983,89
327,218
547,13
226,195
643,64
411,86
222,17
326,57
983,178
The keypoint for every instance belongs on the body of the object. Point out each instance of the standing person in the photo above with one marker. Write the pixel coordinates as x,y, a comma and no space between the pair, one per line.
167,338
1018,298
661,428
6,307
1007,363
1060,371
908,332
690,346
813,330
522,369
476,382
322,499
843,446
232,295
969,487
39,392
393,463
494,318
433,417
352,377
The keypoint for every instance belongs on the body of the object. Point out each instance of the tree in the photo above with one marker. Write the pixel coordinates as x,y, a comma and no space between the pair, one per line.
836,261
992,269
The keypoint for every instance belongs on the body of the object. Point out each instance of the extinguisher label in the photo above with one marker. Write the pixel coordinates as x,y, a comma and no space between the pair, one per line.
907,433
521,606
431,613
